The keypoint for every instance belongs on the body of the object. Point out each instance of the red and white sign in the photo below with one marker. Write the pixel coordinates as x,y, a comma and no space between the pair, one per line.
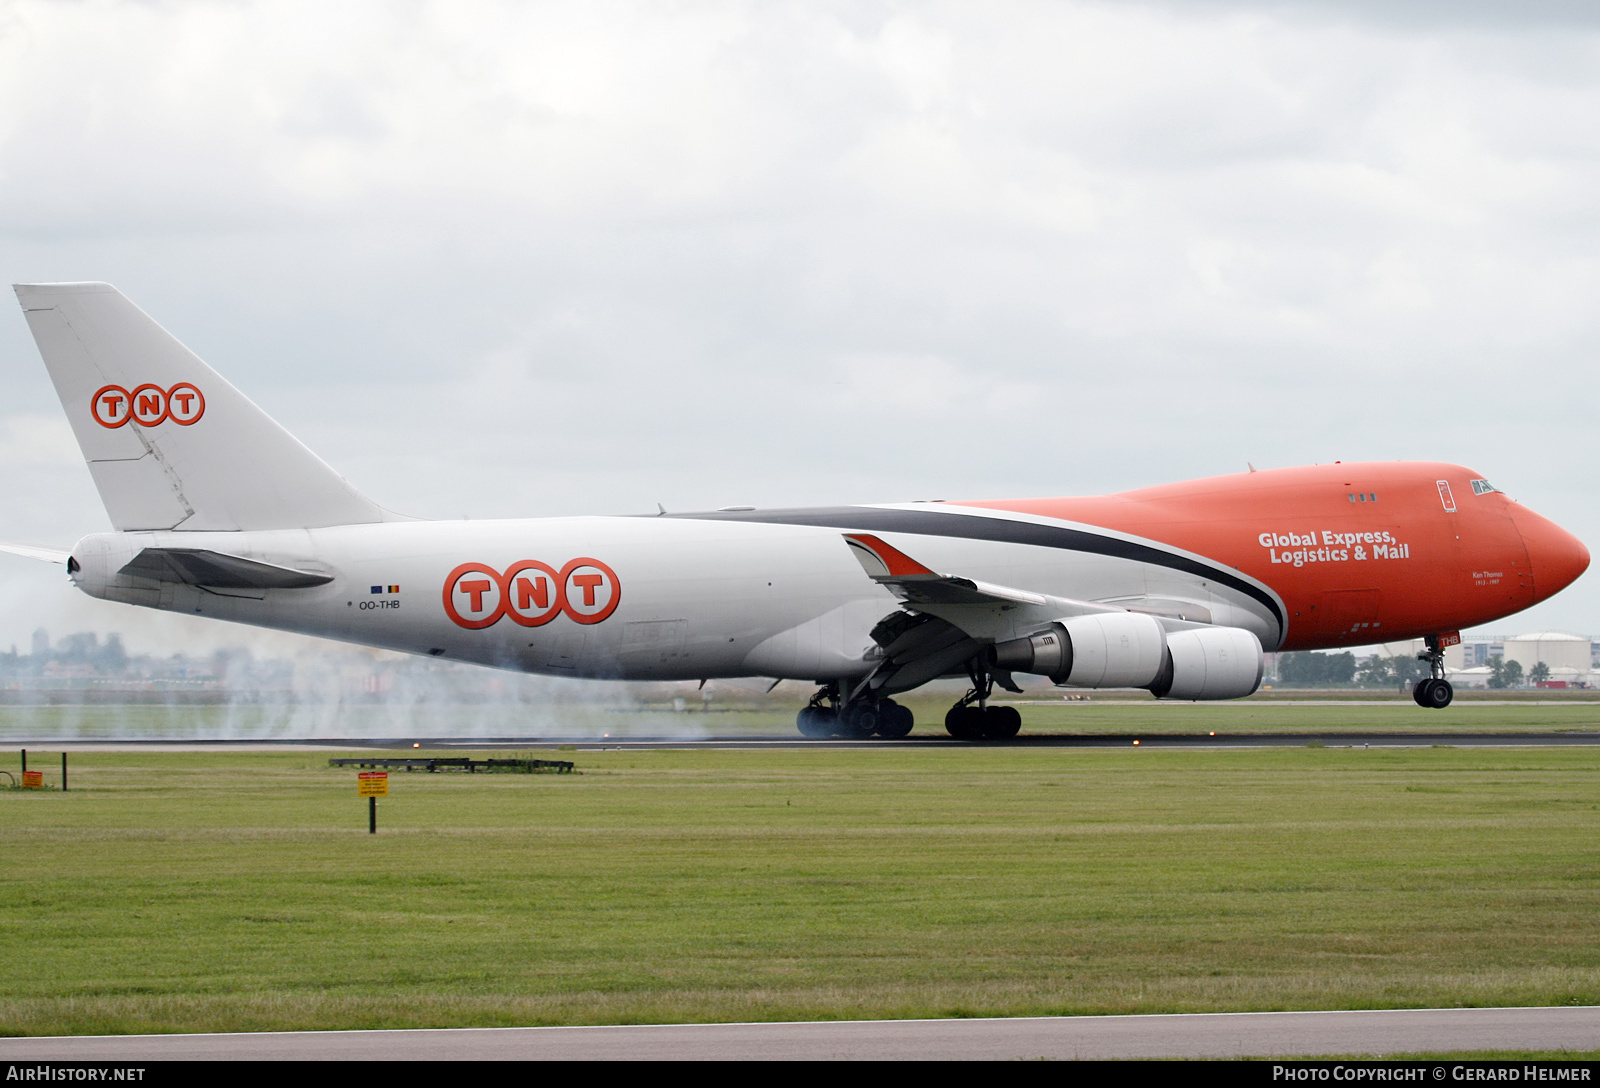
588,590
473,597
531,593
185,404
148,405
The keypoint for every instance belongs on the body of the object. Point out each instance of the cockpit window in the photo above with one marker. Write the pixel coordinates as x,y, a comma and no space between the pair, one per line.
1483,487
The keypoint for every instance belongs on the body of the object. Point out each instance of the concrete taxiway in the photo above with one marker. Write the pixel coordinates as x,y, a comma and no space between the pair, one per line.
1073,740
1203,1035
768,741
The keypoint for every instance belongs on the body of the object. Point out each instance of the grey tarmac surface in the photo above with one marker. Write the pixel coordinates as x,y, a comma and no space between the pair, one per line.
1203,1035
1073,740
759,742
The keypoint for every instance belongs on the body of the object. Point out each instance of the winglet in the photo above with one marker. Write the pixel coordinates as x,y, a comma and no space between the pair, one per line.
879,560
916,584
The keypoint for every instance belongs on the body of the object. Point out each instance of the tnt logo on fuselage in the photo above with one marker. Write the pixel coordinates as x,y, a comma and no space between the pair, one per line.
531,593
148,405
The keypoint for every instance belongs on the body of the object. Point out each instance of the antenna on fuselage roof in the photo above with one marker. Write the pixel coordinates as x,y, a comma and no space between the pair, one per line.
1249,466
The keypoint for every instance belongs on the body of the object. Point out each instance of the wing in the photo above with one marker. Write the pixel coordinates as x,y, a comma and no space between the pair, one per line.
916,584
951,595
948,619
981,609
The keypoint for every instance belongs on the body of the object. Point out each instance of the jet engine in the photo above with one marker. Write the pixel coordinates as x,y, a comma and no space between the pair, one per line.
1106,650
1210,663
1131,650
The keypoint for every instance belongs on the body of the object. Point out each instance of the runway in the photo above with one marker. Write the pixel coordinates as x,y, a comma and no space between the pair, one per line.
1069,740
1203,1035
771,742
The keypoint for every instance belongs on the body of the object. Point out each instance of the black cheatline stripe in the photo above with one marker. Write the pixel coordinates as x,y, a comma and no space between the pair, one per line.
1004,530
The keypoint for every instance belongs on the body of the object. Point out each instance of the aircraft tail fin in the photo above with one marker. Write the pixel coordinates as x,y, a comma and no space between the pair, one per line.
170,444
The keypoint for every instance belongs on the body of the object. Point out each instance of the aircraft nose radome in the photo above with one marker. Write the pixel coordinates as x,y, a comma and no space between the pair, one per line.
1555,555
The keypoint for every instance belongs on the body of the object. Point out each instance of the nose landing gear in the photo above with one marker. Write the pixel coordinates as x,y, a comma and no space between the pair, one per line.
1433,691
1433,694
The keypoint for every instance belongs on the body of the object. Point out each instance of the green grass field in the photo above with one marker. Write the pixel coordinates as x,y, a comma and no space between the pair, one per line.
1114,713
240,891
1259,715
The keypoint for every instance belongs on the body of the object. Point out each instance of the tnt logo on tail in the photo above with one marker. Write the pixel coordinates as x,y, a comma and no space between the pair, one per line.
148,405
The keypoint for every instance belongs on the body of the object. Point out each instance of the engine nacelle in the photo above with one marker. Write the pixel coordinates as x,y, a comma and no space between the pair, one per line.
1106,650
1048,653
1210,663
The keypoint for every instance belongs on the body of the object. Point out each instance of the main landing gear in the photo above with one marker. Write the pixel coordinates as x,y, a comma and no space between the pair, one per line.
858,720
828,715
1433,691
974,719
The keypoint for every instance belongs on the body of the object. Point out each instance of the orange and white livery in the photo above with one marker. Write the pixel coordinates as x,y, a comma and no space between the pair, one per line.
1179,589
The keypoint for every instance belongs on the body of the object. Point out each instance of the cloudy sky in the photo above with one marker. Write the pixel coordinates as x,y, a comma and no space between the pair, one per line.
514,259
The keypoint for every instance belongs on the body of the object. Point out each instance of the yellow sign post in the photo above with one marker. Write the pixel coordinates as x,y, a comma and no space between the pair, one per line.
372,785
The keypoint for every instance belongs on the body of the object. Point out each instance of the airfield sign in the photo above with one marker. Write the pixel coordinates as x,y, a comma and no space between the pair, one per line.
372,785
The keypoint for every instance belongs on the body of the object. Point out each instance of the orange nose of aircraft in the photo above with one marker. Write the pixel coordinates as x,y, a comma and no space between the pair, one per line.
1555,555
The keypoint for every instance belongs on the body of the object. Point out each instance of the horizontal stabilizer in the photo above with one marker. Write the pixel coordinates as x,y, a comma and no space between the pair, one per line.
200,567
29,551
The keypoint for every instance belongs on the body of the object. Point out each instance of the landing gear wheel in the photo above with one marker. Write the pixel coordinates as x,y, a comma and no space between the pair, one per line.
1001,722
894,721
964,722
1434,694
816,722
858,721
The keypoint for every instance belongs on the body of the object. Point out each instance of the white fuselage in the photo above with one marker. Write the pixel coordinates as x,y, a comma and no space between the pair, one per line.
1179,589
692,598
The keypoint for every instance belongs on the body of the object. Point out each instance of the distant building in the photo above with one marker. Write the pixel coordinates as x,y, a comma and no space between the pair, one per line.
1571,659
1476,677
1568,657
